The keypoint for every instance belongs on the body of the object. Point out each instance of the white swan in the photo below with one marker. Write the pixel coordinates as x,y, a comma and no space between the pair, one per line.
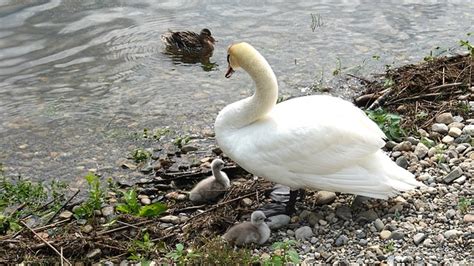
319,142
213,186
256,231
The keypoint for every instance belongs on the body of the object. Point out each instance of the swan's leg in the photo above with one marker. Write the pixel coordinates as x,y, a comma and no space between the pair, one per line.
290,205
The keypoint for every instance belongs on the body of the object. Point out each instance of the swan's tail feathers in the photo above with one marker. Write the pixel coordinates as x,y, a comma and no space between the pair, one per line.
398,178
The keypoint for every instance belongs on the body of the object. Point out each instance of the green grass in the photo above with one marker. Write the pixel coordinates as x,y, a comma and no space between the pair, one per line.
140,155
131,206
283,254
464,204
95,198
389,123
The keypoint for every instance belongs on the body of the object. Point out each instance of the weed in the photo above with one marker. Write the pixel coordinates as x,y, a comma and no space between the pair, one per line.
95,199
181,256
283,253
388,82
132,206
467,44
389,247
464,204
376,57
338,68
439,153
388,122
316,21
180,141
427,142
140,155
142,250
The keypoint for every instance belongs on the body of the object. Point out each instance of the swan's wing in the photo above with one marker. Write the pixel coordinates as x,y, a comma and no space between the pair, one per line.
316,134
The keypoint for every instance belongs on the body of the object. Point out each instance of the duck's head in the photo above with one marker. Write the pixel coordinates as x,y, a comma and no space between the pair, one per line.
217,164
237,55
206,35
258,217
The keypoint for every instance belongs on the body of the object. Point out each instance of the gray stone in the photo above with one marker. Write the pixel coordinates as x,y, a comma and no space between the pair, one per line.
379,224
450,213
439,128
421,150
390,144
404,146
344,212
463,139
363,242
468,130
324,197
460,180
448,140
418,238
304,233
341,240
367,216
65,215
413,140
188,148
107,211
397,235
278,221
94,253
170,219
455,132
455,173
445,118
402,162
314,218
87,228
453,233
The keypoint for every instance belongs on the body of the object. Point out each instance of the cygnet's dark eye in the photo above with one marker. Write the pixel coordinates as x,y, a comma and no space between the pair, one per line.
228,57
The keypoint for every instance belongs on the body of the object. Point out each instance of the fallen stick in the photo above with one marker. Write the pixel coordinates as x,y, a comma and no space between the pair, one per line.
444,86
381,100
423,96
123,227
47,243
65,203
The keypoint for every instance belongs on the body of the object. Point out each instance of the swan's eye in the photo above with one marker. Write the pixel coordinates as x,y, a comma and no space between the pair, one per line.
228,57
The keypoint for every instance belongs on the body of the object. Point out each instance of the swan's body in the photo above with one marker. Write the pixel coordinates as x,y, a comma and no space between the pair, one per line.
213,186
319,142
256,231
188,42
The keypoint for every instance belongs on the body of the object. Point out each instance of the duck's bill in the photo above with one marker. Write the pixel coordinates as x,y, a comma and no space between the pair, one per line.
229,72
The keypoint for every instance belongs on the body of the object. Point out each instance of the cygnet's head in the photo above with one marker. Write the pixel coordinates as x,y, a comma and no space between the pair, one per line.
217,164
258,217
206,35
237,54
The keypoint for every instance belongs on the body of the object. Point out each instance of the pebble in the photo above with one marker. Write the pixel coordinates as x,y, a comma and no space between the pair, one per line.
418,238
324,197
278,221
344,212
188,148
445,118
247,202
94,253
450,214
367,216
439,128
107,211
379,224
397,235
421,150
170,219
455,132
455,173
87,228
468,130
468,218
304,233
404,146
402,162
341,240
65,215
450,234
448,139
385,234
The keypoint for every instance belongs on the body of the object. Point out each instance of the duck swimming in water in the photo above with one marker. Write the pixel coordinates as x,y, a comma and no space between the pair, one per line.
189,43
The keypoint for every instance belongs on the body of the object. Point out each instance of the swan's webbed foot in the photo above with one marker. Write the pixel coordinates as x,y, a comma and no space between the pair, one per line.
290,205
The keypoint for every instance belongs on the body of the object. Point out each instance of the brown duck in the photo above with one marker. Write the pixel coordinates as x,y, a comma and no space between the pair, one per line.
188,42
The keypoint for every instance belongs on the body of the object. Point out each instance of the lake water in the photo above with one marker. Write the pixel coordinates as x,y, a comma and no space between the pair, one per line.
77,77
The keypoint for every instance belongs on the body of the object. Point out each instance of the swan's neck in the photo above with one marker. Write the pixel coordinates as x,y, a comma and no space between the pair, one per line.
221,177
251,109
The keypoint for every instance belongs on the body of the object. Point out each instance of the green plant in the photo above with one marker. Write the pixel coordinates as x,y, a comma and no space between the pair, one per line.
389,247
338,68
283,253
427,142
389,123
141,250
140,155
180,141
467,44
464,204
132,206
94,201
181,256
316,21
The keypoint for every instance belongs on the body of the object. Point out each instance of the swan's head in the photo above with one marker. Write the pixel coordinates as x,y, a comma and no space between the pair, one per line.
258,217
217,164
237,55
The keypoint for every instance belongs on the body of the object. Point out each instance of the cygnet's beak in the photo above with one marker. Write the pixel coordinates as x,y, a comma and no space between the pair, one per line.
229,72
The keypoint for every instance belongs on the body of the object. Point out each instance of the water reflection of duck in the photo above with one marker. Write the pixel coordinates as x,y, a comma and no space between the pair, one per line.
189,43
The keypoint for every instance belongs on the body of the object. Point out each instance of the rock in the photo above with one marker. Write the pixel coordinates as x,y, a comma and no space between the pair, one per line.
107,211
445,118
396,208
468,130
304,233
129,165
418,238
323,222
468,218
404,146
453,233
170,219
188,148
448,140
385,234
247,202
341,240
65,215
87,228
94,253
278,221
325,197
145,200
454,132
378,224
314,218
428,242
402,162
413,140
455,173
463,139
440,128
450,214
397,235
344,212
390,144
363,242
460,180
367,216
421,150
